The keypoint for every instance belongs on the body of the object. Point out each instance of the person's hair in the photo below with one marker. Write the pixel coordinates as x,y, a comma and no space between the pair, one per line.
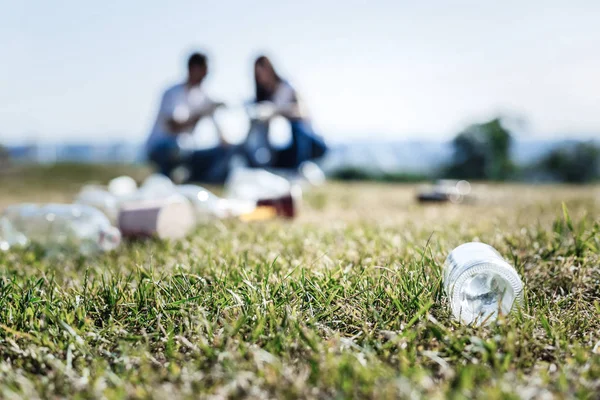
263,93
196,59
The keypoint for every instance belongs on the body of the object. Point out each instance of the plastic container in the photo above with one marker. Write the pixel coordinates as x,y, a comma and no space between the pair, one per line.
60,227
265,189
157,187
254,184
208,206
97,197
164,219
9,236
122,186
480,284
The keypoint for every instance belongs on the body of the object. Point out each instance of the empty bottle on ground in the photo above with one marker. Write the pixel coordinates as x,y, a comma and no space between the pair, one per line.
98,197
264,188
62,227
209,206
9,236
480,283
122,186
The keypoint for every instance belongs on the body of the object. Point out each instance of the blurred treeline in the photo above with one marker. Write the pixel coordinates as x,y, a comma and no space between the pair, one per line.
482,152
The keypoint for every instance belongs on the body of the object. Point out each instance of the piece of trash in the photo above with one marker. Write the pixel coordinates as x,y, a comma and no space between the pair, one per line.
209,206
285,206
260,213
122,186
163,218
432,197
308,175
180,174
158,183
265,189
312,173
97,197
9,236
157,187
445,190
59,226
480,284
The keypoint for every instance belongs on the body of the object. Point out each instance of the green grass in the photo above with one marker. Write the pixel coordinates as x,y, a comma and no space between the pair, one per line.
345,301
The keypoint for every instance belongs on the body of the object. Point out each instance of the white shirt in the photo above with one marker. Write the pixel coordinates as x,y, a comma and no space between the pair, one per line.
285,95
178,103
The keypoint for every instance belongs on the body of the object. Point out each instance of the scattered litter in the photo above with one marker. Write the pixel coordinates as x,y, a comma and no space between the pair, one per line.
445,190
122,186
58,227
158,208
98,197
165,219
265,189
209,206
480,284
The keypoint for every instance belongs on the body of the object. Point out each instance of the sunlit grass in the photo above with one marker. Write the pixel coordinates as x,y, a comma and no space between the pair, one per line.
344,302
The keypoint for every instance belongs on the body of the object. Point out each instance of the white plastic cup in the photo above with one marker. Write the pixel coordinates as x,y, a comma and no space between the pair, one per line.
161,218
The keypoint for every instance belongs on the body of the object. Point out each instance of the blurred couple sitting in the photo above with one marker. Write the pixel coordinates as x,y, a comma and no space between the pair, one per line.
183,105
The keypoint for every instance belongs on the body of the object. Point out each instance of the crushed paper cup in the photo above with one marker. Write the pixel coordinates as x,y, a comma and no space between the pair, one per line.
159,218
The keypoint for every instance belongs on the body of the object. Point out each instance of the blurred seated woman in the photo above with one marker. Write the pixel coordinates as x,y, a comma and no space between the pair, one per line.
276,97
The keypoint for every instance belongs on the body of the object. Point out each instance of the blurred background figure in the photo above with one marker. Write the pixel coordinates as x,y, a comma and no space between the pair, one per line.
181,108
275,97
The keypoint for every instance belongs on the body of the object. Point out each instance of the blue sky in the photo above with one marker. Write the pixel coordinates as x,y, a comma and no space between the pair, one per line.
71,70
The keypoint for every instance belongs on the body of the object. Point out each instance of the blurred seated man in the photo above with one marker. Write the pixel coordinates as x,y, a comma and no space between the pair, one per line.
181,107
276,97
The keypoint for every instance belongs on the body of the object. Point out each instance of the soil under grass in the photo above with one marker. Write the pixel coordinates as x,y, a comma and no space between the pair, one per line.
346,301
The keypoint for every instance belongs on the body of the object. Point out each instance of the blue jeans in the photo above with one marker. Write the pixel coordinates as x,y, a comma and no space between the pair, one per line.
310,146
206,165
305,145
166,155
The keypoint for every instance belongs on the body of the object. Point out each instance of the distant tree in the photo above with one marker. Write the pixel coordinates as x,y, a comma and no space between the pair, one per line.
576,163
481,152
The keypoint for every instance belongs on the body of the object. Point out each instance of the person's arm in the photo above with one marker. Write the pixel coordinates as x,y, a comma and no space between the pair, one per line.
290,105
206,110
185,120
292,111
222,141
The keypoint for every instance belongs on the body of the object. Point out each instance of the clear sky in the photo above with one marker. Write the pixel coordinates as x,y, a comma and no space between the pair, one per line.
76,70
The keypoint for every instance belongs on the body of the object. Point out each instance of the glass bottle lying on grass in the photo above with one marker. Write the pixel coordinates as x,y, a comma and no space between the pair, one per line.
480,284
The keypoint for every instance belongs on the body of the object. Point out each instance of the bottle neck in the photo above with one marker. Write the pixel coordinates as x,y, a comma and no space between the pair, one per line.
109,239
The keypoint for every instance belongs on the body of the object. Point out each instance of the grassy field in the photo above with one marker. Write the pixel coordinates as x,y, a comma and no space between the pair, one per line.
344,302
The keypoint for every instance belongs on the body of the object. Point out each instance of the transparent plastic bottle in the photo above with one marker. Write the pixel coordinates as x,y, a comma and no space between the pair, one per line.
206,205
312,173
480,283
265,189
9,236
209,206
122,186
97,197
62,226
255,184
156,187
